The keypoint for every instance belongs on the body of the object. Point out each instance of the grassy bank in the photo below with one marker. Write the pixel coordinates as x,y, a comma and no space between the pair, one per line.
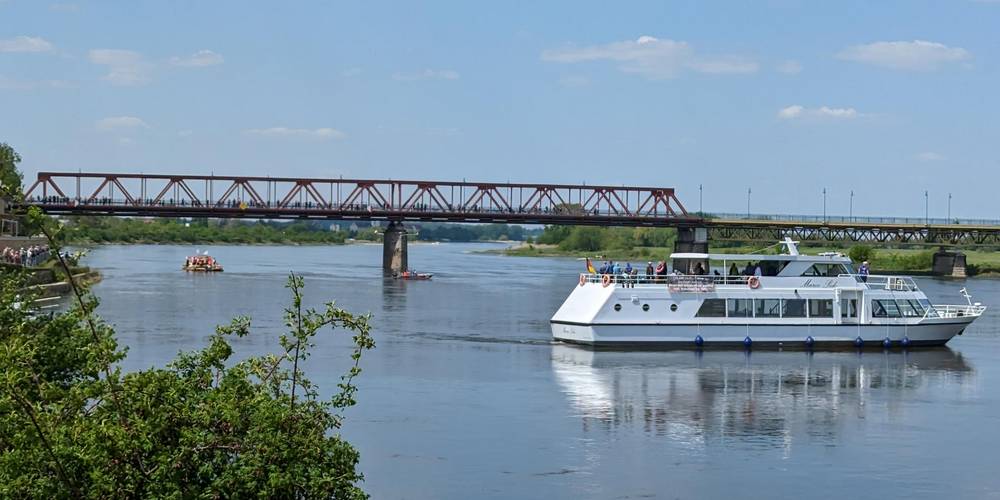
883,260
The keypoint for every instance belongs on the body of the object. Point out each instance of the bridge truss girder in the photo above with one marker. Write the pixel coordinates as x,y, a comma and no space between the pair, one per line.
282,197
948,235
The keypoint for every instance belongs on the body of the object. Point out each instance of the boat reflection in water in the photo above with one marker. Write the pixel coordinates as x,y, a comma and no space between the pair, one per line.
760,398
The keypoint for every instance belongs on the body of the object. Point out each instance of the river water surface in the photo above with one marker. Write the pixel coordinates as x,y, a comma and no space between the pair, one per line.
466,397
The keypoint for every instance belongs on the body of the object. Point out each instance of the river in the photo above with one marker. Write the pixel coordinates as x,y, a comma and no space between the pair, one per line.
466,397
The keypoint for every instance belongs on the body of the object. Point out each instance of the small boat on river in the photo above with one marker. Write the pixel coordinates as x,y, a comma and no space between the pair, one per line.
202,264
413,275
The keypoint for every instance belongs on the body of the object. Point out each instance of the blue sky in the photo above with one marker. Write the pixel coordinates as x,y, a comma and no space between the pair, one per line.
786,97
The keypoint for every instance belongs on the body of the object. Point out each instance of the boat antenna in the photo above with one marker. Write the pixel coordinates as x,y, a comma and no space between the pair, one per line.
965,293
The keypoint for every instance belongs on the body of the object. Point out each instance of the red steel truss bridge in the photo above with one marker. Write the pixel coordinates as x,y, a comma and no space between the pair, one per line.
83,193
147,195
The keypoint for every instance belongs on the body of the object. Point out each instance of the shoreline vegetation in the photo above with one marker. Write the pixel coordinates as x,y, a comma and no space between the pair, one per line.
641,245
98,230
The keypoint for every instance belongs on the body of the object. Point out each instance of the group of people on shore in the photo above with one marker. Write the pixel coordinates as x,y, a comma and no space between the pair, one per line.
25,256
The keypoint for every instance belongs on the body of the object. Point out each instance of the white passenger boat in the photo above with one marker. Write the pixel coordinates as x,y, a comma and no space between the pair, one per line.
806,301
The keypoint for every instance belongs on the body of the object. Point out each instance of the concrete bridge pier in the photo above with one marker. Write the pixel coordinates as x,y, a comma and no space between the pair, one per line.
948,263
691,240
394,248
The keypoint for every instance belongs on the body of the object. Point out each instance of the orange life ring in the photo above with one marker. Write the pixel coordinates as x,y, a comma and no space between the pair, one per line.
753,282
583,279
605,280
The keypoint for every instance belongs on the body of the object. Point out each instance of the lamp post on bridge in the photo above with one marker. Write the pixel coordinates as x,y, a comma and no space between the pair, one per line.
851,210
927,216
700,207
748,203
949,208
824,204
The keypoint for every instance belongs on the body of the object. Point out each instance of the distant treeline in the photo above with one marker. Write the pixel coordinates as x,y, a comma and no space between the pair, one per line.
128,230
474,232
139,230
601,239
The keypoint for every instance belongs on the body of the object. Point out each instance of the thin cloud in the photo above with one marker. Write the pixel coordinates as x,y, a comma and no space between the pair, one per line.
427,74
653,58
15,84
918,55
789,67
929,156
574,81
316,133
119,122
199,59
126,67
25,44
64,7
797,112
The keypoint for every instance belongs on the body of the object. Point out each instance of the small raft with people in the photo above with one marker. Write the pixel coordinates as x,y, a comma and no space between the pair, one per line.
202,264
413,275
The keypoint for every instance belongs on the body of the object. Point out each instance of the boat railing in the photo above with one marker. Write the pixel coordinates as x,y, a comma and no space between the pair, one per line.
960,310
675,282
876,282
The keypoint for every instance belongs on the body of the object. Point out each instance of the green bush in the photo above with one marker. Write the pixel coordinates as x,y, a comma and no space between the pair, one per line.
861,253
204,426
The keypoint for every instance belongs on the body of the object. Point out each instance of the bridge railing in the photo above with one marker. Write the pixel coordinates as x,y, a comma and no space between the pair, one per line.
855,219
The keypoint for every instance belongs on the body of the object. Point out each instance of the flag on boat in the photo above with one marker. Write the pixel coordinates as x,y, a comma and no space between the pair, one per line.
590,267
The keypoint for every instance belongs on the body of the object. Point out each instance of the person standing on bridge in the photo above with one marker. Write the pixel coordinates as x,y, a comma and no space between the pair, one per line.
864,271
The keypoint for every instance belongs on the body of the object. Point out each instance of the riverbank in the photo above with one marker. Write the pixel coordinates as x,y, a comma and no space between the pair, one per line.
886,261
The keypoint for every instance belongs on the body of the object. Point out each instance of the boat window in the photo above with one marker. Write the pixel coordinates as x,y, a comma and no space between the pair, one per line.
712,308
926,304
884,309
917,307
828,270
772,267
820,308
906,308
768,308
793,308
848,308
740,308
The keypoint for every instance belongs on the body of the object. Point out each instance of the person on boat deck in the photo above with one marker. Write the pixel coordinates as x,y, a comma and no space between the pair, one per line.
748,270
661,268
756,270
649,270
864,270
699,269
616,270
733,270
628,271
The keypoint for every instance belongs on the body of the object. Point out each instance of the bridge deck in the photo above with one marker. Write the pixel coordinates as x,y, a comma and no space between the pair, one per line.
152,195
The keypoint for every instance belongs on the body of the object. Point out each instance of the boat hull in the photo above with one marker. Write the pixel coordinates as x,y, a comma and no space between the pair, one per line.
760,335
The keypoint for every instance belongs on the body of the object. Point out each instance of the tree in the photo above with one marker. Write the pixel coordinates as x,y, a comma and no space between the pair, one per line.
74,425
10,177
861,253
